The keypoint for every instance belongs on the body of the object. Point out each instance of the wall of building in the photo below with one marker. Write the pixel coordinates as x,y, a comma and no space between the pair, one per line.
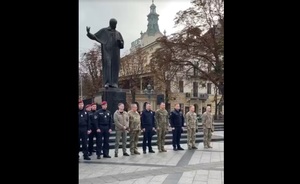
145,39
149,45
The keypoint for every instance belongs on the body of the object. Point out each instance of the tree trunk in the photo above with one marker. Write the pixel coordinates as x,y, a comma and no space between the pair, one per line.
133,95
167,100
216,107
132,87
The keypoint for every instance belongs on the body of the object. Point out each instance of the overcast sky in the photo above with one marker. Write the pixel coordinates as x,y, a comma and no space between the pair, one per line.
130,14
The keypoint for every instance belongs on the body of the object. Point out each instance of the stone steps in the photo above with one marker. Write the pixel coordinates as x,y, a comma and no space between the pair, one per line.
168,140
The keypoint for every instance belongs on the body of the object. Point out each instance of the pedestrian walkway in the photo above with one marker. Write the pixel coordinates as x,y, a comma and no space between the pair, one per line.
201,166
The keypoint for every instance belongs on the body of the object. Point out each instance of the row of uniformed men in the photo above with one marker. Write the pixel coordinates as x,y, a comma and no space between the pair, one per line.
98,123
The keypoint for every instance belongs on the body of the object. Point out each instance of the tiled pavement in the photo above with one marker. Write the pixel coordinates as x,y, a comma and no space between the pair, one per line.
201,166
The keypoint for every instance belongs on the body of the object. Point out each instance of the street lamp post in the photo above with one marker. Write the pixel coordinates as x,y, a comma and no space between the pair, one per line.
81,76
148,91
81,86
81,83
216,103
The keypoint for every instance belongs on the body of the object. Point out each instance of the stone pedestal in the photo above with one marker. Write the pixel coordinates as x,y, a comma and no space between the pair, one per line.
113,96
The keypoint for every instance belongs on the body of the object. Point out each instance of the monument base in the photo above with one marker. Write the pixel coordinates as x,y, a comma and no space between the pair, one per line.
113,96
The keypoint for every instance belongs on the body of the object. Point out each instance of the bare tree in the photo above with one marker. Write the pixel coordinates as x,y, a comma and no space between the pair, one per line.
90,68
165,72
199,47
200,44
132,66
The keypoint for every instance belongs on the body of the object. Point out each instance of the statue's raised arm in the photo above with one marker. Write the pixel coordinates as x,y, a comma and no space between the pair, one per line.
90,35
101,36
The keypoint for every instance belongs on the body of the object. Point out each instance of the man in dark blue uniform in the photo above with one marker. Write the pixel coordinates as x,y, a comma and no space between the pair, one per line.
84,129
148,126
103,123
93,128
177,123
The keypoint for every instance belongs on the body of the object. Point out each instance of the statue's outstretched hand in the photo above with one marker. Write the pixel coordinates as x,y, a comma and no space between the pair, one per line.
88,29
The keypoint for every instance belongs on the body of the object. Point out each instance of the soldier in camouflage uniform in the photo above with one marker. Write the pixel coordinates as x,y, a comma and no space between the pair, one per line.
191,124
162,122
135,129
207,121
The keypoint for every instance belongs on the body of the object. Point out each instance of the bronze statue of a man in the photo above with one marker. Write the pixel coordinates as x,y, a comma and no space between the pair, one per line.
111,42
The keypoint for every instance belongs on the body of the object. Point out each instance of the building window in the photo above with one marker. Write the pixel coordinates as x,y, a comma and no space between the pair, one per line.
203,110
208,88
181,86
181,105
168,107
195,89
187,109
220,109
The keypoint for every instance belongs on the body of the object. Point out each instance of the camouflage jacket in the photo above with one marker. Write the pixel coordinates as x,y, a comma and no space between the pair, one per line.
134,120
207,120
191,120
162,118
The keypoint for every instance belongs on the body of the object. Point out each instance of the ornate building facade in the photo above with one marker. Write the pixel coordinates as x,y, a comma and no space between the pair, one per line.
184,90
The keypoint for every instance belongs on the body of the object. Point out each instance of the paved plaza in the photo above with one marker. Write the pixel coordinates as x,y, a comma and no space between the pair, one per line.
201,166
